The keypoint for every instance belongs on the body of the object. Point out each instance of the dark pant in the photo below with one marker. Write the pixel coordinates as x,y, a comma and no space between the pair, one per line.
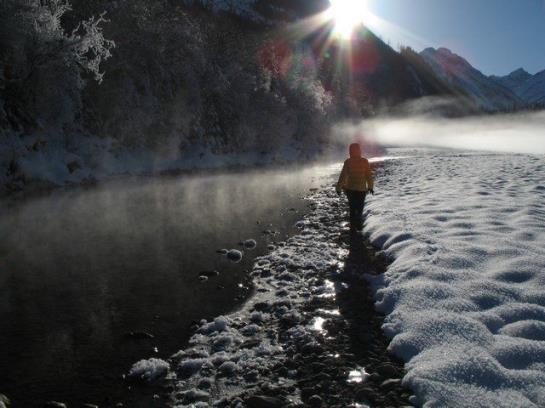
356,201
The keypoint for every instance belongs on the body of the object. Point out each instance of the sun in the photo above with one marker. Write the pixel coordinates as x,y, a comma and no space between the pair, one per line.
347,15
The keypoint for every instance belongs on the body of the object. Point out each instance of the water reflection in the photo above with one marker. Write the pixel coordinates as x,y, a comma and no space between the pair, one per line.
357,376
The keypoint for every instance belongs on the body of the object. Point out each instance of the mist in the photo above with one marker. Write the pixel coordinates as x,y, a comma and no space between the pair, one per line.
508,133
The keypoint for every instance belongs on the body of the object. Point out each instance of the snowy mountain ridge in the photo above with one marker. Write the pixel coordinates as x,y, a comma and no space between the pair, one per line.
458,72
530,88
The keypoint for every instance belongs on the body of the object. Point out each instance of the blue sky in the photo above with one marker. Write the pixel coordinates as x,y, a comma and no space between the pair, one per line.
495,36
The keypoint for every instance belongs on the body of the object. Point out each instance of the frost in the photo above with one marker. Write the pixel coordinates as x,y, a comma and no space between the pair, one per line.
149,370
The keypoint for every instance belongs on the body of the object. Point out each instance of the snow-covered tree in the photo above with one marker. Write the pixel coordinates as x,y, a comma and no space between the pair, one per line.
43,65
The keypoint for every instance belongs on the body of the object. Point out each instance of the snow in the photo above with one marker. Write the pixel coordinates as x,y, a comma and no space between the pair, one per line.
149,370
530,88
486,92
234,353
465,294
101,159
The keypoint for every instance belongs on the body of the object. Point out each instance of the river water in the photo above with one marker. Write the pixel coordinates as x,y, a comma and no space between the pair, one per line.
81,269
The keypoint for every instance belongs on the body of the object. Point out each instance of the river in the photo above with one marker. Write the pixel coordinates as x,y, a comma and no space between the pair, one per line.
81,269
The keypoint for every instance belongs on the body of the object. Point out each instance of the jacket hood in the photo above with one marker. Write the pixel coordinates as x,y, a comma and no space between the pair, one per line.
355,150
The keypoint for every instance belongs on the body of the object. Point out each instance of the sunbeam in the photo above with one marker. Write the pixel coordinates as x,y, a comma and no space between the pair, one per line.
347,16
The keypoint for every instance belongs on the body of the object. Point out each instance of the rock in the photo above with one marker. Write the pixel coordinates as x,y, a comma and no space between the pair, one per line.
250,244
55,404
209,274
228,368
4,401
387,370
318,367
73,166
390,383
90,406
203,278
195,396
315,401
139,335
262,307
263,401
248,344
205,384
149,370
308,392
234,255
375,377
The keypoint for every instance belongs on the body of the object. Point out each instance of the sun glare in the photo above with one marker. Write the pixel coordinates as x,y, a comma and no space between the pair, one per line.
347,15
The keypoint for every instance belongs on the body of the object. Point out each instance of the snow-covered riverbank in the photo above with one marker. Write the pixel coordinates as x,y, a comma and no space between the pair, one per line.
309,335
464,295
44,162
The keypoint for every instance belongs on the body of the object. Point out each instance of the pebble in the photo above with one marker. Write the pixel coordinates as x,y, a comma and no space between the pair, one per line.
140,335
390,383
209,274
263,401
234,255
387,370
315,401
250,244
55,404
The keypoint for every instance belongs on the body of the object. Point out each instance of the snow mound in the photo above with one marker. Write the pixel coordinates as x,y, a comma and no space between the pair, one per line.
149,370
465,294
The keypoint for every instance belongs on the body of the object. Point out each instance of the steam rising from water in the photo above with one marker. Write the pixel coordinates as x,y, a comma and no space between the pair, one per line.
509,133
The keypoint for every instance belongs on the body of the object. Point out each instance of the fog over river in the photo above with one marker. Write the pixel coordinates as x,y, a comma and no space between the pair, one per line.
81,269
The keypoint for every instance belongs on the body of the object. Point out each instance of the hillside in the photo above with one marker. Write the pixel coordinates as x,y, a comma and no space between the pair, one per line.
529,88
154,86
488,94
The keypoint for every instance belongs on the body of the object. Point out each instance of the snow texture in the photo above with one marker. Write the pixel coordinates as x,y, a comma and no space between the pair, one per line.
465,294
149,370
530,88
231,355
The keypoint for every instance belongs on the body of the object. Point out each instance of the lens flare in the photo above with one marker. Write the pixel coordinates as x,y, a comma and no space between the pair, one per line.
347,15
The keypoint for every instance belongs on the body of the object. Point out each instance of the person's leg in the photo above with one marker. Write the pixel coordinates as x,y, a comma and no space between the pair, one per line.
358,209
353,204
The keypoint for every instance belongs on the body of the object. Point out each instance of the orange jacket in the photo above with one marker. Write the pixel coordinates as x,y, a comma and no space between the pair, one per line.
356,174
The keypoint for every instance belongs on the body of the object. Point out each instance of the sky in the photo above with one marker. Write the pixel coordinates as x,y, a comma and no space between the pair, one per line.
495,36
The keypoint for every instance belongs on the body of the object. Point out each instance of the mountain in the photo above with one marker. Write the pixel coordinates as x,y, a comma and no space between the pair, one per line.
486,92
529,88
514,80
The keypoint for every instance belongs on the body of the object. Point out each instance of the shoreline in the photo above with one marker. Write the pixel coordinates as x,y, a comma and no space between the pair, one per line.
297,338
230,297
